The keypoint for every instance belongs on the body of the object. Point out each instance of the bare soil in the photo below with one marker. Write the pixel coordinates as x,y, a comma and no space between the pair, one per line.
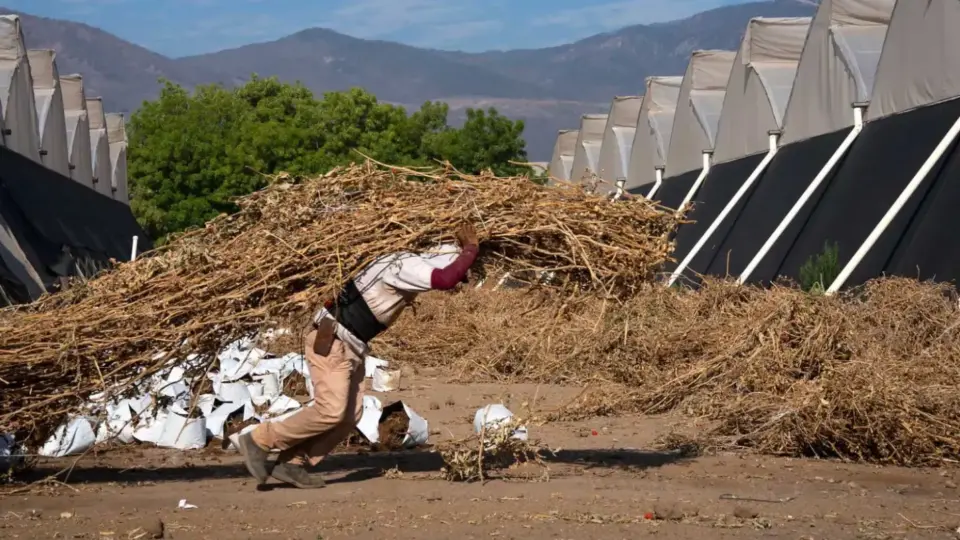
604,482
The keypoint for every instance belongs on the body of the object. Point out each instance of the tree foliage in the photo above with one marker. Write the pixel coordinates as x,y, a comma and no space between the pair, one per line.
191,154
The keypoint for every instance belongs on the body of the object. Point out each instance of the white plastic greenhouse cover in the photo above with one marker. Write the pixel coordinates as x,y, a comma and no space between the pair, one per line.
837,68
50,116
586,156
117,139
651,142
618,139
563,149
698,110
99,147
19,120
78,129
919,65
760,84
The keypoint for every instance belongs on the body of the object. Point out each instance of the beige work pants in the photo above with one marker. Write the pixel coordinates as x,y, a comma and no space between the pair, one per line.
314,431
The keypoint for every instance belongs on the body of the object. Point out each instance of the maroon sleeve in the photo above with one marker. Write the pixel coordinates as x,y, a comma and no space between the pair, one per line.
447,278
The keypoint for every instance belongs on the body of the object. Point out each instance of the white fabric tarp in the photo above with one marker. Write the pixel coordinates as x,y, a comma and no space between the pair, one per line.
117,139
919,64
617,140
586,155
698,110
99,147
78,129
759,87
651,141
561,163
19,112
51,119
837,68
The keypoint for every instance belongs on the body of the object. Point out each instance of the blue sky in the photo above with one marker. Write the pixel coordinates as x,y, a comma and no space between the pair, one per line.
184,27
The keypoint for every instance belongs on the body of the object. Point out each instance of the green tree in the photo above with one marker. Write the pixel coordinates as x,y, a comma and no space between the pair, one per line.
487,140
192,154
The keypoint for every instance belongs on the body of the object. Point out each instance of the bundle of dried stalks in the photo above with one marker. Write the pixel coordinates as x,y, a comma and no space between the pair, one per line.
871,375
494,449
289,247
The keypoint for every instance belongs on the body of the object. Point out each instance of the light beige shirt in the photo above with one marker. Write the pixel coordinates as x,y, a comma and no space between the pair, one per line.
392,283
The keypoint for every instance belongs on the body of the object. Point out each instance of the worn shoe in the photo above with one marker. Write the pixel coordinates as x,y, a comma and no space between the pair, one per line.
297,476
254,457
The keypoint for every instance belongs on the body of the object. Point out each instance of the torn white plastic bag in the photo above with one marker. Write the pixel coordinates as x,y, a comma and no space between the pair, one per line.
370,364
216,419
370,418
385,381
150,427
493,415
417,429
181,432
74,437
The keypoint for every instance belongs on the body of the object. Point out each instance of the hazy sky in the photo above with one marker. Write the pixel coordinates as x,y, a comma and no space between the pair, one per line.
184,27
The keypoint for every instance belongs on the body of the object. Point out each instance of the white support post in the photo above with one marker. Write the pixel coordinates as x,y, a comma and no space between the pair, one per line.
858,109
707,155
619,192
895,208
133,248
657,184
774,139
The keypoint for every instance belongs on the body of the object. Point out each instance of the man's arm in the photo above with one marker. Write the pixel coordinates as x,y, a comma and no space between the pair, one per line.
444,279
413,274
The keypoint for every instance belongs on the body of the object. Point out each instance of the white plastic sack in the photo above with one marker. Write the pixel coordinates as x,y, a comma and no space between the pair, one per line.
493,415
216,419
74,437
182,433
370,364
119,423
417,431
370,418
270,383
150,427
385,381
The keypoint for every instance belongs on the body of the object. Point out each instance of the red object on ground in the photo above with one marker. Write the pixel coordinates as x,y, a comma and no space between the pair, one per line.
648,515
594,433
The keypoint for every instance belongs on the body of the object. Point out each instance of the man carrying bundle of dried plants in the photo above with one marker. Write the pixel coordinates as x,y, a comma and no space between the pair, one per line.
335,349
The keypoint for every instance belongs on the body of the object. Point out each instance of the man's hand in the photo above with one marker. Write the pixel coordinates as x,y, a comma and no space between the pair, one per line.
467,236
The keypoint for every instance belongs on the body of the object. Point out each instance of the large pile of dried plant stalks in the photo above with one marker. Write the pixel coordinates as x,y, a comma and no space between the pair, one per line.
290,247
871,375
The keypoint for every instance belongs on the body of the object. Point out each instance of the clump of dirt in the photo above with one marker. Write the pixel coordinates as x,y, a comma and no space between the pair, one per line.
393,429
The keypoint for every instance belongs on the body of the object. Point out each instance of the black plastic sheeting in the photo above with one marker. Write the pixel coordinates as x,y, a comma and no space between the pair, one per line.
675,189
741,235
718,188
641,190
56,219
883,160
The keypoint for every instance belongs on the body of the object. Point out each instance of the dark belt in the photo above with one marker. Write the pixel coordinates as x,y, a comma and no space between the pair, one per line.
353,313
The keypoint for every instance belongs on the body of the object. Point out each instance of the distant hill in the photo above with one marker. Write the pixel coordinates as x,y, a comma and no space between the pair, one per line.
549,88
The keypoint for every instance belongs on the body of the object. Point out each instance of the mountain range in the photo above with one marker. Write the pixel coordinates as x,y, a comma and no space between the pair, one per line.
549,88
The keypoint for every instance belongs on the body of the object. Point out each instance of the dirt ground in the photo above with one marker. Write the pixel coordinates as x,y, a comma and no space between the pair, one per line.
602,484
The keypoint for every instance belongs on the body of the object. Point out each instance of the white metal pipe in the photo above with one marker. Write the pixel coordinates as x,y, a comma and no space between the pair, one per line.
696,185
657,184
133,248
619,193
897,205
774,138
807,193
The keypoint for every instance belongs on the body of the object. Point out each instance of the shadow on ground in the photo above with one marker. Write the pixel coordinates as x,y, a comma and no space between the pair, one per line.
358,467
